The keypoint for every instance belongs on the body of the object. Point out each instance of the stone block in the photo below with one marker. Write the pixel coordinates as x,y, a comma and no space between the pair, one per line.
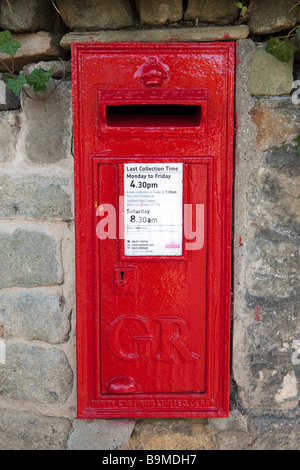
7,98
269,76
275,431
272,267
200,34
34,48
32,15
35,196
175,434
9,129
48,126
21,430
34,315
96,14
268,17
219,12
100,434
273,199
272,337
36,374
277,120
159,12
29,258
234,440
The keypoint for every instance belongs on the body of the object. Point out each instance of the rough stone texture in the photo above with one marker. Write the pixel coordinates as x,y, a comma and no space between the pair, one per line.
207,33
34,315
175,434
275,431
32,15
266,253
268,17
7,99
34,48
28,258
51,142
9,129
26,431
36,374
35,197
96,14
100,434
277,121
268,75
218,12
159,12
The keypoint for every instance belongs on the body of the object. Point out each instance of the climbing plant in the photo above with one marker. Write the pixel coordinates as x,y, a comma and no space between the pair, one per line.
37,79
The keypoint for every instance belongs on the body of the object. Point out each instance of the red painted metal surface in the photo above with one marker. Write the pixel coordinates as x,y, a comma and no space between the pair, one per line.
153,331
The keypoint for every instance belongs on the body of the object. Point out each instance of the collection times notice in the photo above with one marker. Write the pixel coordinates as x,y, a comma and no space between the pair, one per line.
153,209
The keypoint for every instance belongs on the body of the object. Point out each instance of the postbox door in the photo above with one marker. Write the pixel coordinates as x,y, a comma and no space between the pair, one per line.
153,307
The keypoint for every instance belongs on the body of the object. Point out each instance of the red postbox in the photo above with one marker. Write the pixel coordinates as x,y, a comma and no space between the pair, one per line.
153,138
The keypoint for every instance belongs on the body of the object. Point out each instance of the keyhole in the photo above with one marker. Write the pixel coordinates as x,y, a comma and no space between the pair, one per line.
122,275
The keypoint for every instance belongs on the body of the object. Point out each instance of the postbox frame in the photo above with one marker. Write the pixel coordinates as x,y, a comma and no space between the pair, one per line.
215,401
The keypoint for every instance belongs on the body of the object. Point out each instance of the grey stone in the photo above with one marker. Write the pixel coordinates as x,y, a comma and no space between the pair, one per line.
269,76
7,98
34,315
36,374
34,48
48,125
283,158
272,267
273,335
20,17
9,129
21,430
275,431
236,421
199,34
220,12
268,17
35,196
159,12
101,434
29,258
273,201
96,14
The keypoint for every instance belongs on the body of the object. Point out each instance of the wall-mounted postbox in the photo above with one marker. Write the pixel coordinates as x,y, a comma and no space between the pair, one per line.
153,134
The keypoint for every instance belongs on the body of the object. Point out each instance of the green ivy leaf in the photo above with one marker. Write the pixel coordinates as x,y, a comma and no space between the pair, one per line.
7,44
16,83
239,4
298,146
283,49
38,79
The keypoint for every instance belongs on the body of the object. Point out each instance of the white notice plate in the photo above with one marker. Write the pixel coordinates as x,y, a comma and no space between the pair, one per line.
153,209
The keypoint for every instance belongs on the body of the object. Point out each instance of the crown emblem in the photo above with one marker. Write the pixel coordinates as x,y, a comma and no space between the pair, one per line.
152,73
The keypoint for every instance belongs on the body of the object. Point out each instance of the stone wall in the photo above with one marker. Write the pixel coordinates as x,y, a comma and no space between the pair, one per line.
37,281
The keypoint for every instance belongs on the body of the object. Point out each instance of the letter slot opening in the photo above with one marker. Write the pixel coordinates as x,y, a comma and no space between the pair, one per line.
153,115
